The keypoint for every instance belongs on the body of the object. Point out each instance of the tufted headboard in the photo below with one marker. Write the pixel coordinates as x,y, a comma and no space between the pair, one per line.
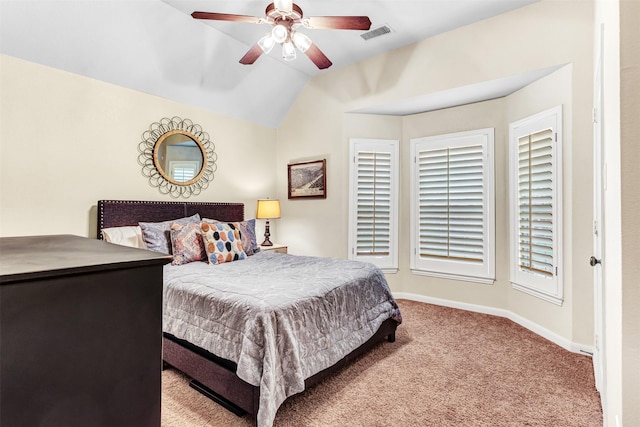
119,213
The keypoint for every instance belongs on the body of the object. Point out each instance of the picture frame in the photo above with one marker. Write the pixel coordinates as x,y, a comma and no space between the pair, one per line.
308,179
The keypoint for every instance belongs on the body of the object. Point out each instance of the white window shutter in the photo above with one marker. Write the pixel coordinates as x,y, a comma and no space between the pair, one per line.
535,204
451,203
373,202
183,170
453,206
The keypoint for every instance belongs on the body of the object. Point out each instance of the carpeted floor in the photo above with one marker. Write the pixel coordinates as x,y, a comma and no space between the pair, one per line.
447,367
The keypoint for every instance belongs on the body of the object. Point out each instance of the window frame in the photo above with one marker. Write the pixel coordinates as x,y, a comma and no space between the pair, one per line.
387,263
551,290
456,269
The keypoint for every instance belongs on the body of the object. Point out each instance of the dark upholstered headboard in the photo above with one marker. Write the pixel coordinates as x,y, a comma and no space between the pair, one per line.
119,213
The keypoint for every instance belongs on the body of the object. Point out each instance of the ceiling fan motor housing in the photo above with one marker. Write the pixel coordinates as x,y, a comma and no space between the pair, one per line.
295,15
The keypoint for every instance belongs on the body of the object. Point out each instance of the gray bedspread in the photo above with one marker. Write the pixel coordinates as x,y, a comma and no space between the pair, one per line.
280,318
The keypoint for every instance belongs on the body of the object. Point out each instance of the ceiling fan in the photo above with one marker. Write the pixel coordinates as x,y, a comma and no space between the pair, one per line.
285,17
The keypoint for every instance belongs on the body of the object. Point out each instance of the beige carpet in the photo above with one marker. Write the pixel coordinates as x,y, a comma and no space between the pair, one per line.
447,368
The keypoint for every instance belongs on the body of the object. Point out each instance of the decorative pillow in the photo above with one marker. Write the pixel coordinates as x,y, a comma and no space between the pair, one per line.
126,236
248,229
186,242
222,242
156,234
247,234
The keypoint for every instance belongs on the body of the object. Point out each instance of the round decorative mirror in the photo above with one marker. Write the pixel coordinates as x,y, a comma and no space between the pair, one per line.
177,157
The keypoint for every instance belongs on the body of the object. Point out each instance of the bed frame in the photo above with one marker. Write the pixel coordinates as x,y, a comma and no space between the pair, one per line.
211,375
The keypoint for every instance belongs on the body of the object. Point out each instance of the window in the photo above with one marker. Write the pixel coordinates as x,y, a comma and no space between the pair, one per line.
453,207
183,171
373,202
535,158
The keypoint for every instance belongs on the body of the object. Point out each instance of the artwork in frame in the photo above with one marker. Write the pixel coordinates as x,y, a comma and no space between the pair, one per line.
308,179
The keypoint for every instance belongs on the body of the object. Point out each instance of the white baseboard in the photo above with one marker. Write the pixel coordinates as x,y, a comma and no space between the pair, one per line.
526,323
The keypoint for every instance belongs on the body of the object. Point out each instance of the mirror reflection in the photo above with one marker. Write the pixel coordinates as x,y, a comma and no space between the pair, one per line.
179,157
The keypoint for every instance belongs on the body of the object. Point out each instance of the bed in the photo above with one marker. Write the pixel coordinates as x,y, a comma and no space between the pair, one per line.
253,332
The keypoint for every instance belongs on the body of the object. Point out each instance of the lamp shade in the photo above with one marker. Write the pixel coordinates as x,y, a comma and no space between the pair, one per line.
302,42
288,51
279,33
266,43
268,209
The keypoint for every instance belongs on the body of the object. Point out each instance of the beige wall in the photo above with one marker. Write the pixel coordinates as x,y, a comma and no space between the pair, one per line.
67,141
491,49
630,179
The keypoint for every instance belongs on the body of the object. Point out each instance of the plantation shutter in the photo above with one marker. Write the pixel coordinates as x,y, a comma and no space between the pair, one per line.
373,202
183,174
535,204
452,203
183,171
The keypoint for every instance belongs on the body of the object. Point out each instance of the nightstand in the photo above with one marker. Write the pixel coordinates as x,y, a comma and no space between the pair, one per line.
281,249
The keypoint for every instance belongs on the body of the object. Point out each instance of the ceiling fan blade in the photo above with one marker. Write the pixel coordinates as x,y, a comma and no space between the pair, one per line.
252,55
339,22
226,17
318,58
283,5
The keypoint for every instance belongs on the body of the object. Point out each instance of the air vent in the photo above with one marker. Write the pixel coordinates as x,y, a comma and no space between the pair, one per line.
376,32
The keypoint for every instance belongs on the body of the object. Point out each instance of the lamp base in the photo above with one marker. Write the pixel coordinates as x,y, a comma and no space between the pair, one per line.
266,242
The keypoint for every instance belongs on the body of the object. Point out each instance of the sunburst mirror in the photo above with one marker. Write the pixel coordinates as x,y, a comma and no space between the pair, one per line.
177,157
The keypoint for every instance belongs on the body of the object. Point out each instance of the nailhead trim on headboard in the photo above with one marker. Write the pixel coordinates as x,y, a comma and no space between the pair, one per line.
119,213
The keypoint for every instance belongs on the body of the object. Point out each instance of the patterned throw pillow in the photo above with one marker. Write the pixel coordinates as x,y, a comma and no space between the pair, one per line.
247,234
156,234
187,244
222,243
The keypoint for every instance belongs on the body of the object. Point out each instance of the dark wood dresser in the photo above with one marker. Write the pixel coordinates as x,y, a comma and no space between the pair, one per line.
80,333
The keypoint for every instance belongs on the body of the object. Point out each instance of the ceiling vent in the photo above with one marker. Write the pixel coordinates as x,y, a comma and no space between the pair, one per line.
376,32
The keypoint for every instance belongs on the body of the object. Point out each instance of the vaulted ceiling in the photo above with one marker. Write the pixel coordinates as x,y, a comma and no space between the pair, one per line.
156,46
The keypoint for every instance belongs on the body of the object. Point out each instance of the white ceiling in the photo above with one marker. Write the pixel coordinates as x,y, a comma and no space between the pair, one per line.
156,47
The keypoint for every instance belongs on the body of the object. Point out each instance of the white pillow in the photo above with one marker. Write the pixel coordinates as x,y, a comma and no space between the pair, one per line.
126,236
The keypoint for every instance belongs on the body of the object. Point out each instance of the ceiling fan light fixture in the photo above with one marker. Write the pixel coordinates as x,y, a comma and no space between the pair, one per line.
279,33
267,43
285,16
302,41
288,51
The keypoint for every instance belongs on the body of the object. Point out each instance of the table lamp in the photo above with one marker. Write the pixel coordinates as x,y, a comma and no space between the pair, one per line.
268,209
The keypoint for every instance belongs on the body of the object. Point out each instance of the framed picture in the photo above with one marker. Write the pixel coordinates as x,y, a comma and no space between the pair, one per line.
308,179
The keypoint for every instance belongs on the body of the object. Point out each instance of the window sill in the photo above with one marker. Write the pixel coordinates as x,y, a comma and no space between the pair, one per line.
480,280
527,290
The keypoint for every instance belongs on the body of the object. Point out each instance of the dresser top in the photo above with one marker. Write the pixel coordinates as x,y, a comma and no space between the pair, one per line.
33,257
